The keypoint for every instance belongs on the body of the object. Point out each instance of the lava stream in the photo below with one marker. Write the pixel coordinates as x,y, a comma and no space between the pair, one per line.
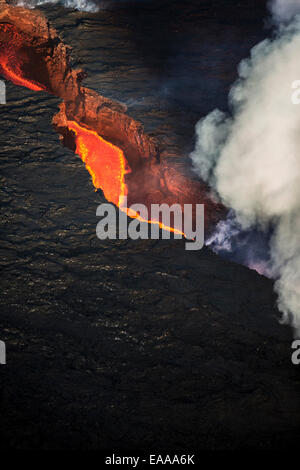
105,162
12,59
107,165
15,76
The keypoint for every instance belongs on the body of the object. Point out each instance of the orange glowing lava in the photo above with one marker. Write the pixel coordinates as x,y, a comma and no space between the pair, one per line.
14,76
107,166
12,59
104,161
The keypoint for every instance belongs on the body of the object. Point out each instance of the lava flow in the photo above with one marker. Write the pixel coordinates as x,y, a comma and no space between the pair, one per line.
104,161
12,58
107,166
33,56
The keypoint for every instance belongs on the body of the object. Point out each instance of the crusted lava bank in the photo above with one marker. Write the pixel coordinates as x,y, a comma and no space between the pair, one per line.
121,158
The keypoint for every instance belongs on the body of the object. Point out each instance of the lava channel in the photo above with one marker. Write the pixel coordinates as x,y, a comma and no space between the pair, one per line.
105,162
107,166
12,58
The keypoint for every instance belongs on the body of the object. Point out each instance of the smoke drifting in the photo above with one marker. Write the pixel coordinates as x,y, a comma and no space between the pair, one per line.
248,247
252,158
82,5
284,10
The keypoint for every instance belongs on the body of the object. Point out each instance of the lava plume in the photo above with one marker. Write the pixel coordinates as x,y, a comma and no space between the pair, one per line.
121,158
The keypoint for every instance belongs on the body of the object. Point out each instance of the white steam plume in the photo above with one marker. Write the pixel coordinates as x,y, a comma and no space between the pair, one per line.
82,5
252,158
284,10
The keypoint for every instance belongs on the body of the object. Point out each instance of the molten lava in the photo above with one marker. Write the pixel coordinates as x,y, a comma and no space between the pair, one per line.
104,161
12,58
107,166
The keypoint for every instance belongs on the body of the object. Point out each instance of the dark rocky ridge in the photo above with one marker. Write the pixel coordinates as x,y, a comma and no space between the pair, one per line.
122,344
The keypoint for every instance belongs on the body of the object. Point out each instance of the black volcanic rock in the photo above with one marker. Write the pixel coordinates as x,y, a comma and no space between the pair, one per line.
121,344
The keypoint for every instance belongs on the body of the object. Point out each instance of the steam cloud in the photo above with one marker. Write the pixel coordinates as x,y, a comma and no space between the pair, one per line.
252,158
82,5
284,10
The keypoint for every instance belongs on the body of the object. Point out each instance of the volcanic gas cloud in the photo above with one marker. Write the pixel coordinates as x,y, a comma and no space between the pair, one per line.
121,158
251,157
